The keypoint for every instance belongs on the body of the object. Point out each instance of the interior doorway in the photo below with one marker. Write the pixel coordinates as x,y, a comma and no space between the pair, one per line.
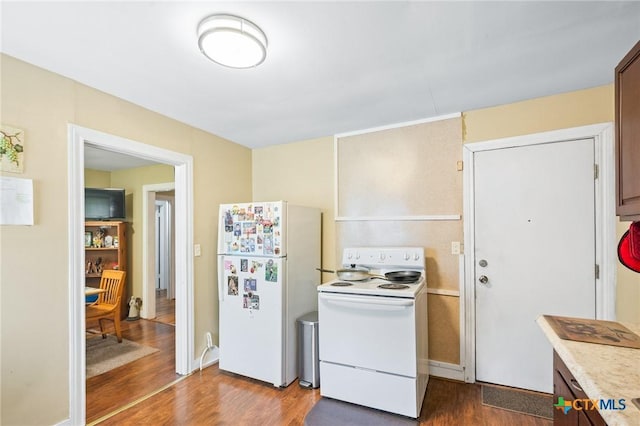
165,260
78,138
158,251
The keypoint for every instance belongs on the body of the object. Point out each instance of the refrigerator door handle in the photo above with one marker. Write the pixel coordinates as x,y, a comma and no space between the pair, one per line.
220,279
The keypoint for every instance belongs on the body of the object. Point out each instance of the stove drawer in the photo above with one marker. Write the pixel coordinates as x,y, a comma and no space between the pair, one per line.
369,332
388,392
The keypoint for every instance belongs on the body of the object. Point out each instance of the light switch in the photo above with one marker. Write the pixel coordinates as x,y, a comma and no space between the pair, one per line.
196,250
455,247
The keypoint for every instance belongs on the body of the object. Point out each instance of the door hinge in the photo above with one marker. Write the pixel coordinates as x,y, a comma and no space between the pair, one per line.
595,171
597,271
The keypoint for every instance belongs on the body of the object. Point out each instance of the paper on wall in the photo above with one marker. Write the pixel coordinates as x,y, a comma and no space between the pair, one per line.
16,201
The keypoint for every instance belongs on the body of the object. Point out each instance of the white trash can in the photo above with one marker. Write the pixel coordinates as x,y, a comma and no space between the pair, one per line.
308,355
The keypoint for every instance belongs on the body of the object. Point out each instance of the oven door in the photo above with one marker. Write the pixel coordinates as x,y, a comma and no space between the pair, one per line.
370,332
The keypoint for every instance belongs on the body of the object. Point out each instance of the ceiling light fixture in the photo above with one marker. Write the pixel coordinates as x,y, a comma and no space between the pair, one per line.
232,41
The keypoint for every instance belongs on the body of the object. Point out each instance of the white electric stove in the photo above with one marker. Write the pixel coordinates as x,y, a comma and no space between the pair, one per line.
373,341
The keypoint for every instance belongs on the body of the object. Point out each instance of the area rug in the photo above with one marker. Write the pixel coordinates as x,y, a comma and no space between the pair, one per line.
331,412
106,354
521,401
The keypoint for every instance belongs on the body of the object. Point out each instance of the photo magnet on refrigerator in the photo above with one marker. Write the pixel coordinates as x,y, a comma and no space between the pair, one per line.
254,302
267,246
271,271
232,285
254,266
228,219
250,284
248,228
267,228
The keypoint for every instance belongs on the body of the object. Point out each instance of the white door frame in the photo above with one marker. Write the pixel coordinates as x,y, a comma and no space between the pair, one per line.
183,166
605,222
148,271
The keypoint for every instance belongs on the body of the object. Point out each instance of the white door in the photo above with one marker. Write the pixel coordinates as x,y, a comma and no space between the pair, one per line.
163,247
535,236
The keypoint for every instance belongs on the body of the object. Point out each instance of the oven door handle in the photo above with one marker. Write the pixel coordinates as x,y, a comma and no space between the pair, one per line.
381,303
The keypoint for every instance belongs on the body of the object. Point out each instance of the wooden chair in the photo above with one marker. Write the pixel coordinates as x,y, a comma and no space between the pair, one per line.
107,307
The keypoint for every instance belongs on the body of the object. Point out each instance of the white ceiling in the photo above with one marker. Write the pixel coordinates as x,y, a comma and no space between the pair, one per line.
331,67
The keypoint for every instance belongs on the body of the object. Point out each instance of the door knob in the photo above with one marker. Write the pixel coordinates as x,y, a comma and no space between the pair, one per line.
483,279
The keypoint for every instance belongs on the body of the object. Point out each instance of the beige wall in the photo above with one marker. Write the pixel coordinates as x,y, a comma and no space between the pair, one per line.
97,179
301,173
409,171
562,111
132,181
34,274
580,108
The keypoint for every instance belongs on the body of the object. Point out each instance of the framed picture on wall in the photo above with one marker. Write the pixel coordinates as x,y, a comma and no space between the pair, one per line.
88,237
12,149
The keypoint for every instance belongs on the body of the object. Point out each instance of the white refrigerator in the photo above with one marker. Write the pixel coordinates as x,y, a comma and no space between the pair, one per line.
268,253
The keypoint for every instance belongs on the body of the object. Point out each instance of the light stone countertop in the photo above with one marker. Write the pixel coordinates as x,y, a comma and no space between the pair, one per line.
603,371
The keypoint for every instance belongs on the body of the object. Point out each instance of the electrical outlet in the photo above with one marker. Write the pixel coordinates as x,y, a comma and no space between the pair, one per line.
455,247
196,250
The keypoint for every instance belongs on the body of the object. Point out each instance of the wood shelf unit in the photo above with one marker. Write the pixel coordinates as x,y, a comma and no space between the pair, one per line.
113,257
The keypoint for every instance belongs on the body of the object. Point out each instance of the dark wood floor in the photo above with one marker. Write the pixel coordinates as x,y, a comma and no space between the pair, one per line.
216,398
116,388
212,397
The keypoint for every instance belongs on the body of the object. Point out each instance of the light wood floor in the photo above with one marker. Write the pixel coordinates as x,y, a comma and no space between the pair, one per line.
165,308
212,397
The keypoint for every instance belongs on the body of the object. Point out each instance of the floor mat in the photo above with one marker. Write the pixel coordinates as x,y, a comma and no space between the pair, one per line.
106,354
522,401
331,412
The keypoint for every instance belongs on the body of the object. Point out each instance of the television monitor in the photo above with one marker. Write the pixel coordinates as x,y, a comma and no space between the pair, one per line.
104,204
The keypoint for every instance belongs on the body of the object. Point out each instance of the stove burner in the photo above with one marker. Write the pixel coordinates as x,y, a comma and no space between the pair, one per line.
393,286
341,284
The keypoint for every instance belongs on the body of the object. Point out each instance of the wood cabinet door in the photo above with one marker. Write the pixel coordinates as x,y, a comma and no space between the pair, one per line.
561,390
627,107
566,386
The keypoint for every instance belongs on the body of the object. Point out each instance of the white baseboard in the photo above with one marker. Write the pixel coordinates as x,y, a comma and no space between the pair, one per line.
446,370
66,422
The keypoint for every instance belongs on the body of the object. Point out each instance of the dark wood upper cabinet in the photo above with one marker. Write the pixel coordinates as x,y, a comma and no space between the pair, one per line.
627,89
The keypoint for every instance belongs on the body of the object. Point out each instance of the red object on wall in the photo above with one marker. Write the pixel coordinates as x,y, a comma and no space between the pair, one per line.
629,248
